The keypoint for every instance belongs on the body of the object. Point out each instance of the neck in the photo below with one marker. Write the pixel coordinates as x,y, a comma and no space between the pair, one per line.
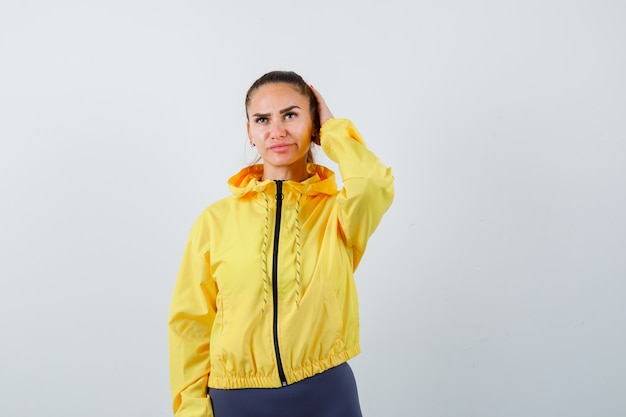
296,173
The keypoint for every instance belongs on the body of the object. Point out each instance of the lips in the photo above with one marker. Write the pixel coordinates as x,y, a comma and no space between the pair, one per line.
280,147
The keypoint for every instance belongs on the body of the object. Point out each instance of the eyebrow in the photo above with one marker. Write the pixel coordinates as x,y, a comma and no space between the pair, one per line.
283,111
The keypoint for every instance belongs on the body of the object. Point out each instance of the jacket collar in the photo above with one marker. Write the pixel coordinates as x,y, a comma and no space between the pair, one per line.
321,180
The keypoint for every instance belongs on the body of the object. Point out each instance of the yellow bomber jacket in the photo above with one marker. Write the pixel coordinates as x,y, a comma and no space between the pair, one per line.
265,294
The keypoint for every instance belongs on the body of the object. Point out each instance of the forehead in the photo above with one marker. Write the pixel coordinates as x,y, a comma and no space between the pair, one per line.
278,94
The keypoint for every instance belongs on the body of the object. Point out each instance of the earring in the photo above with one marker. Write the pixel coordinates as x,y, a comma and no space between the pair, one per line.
252,144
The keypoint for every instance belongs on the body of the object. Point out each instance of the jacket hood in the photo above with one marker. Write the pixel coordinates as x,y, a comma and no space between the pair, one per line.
321,180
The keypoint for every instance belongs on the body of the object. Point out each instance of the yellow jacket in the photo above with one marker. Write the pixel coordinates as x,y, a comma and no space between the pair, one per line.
265,295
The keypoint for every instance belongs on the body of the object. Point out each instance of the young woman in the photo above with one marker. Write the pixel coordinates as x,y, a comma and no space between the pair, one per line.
264,315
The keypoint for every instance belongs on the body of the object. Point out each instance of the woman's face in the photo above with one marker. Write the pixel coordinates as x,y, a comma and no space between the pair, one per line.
280,126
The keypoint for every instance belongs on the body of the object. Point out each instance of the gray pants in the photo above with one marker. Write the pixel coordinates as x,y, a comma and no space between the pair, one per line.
332,393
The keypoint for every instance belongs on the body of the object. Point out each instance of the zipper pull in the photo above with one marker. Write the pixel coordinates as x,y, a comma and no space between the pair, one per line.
279,190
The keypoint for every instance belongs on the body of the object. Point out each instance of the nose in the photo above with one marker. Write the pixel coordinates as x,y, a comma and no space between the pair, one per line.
277,130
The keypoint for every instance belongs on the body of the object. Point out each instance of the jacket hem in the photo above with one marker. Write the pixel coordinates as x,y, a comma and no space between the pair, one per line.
293,375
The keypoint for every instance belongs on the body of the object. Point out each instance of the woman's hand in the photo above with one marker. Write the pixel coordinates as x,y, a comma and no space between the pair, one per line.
322,109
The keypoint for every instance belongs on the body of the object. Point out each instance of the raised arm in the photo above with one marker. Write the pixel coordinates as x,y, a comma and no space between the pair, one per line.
367,189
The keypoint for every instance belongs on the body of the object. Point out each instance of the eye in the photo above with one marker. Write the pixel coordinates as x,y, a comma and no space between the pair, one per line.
291,115
260,120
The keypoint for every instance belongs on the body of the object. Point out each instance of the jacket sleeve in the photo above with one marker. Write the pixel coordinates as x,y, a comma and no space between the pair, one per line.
192,313
367,189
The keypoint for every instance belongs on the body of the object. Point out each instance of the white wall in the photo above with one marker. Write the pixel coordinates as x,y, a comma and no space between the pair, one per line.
495,285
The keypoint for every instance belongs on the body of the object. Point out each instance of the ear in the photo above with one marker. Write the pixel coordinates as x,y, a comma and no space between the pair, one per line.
248,130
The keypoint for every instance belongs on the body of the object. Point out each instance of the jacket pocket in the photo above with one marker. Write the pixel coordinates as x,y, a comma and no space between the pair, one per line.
333,310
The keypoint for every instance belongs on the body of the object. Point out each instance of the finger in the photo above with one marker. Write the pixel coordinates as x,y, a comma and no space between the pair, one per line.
323,109
317,94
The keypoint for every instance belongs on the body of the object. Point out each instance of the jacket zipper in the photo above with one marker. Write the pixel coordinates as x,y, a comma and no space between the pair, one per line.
279,205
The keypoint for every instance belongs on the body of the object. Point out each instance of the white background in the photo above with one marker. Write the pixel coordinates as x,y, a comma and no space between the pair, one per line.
495,285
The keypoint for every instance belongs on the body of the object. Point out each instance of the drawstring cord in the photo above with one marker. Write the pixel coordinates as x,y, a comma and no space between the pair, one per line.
298,252
264,251
264,268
